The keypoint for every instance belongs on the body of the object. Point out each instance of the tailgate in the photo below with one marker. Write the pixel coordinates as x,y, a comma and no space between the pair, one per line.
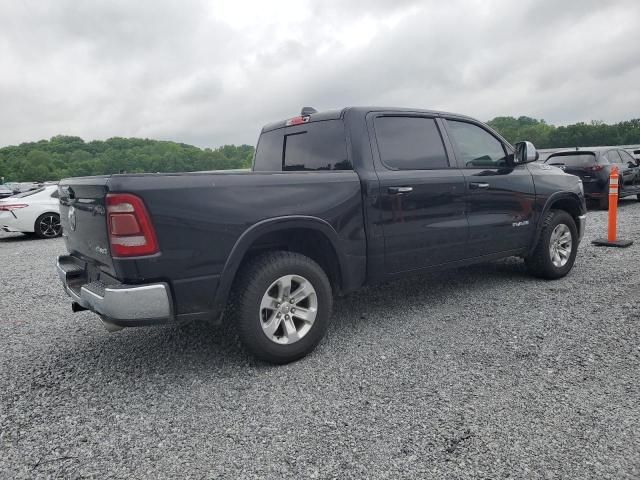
84,221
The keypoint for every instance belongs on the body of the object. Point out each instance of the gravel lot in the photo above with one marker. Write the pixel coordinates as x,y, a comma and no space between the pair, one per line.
473,373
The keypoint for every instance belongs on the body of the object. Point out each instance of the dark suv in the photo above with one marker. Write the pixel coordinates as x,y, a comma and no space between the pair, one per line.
593,165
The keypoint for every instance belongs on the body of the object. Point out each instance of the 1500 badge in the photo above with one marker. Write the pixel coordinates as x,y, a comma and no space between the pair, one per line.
520,224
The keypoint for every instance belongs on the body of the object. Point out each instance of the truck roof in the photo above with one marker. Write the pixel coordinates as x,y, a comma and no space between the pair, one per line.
340,113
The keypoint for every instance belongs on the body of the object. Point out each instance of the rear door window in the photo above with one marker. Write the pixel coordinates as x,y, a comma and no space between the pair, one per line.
410,143
313,146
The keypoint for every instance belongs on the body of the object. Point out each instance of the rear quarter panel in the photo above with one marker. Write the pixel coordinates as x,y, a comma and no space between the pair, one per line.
199,218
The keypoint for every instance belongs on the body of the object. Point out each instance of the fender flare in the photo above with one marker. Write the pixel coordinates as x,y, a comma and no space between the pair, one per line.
249,236
553,198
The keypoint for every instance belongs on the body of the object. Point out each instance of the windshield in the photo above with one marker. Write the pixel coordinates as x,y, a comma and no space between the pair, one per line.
572,159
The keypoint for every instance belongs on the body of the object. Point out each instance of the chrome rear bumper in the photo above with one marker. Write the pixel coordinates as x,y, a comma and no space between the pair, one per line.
120,304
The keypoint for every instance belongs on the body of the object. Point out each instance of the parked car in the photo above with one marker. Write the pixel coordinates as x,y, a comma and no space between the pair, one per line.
36,211
593,166
335,201
5,191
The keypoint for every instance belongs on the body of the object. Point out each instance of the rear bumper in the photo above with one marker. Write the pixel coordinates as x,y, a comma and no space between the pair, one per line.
10,223
118,303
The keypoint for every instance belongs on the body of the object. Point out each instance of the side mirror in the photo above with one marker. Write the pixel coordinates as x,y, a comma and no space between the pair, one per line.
525,153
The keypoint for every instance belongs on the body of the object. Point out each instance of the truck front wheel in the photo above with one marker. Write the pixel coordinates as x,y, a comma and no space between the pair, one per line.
555,253
281,305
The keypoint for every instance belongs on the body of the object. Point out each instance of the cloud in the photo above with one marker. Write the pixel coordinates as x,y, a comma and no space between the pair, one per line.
211,73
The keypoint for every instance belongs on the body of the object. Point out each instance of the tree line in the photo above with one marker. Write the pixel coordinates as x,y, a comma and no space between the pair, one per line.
544,135
67,156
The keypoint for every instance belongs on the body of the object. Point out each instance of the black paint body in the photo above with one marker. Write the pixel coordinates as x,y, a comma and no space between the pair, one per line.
207,222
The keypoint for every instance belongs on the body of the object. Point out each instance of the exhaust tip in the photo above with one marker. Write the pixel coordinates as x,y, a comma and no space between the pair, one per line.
76,307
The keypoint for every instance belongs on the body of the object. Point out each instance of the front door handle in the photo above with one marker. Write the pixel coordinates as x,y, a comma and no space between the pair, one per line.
477,185
398,190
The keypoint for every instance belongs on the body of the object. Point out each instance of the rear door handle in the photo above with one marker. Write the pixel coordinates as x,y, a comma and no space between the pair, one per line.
397,190
477,185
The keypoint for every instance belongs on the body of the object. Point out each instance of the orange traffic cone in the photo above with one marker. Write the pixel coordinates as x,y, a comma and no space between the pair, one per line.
612,240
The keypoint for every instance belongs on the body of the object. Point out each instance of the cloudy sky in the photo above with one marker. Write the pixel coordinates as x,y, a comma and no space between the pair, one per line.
212,72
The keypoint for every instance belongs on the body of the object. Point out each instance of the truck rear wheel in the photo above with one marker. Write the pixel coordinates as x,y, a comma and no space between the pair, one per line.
555,253
281,305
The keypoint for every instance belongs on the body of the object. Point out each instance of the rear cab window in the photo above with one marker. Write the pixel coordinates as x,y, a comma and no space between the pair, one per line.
313,146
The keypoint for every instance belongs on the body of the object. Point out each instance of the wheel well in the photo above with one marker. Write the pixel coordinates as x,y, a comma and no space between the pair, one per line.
569,205
306,241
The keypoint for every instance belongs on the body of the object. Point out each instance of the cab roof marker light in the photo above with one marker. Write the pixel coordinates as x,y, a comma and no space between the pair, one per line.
297,121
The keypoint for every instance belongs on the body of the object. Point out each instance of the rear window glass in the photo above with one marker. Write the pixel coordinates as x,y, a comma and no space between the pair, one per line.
29,193
572,160
310,147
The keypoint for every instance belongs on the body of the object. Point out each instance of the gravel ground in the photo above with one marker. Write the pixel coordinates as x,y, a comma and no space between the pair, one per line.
482,372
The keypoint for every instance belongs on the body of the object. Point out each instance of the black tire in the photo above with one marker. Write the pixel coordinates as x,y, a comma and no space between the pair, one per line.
540,262
48,226
245,312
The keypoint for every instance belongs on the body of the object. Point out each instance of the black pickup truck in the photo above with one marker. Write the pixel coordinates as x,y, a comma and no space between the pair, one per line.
335,200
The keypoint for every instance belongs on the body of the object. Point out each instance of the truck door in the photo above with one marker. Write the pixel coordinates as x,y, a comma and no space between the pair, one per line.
499,197
420,203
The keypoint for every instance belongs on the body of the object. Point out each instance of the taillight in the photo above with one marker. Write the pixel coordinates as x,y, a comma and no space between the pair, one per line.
12,206
595,168
131,232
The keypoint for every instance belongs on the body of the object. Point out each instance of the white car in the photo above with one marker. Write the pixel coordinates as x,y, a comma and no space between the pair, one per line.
37,211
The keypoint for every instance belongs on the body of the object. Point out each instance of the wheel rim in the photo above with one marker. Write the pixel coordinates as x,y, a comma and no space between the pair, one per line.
560,245
288,309
50,226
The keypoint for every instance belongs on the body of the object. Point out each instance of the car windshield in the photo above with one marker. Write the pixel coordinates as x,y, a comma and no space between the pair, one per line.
572,159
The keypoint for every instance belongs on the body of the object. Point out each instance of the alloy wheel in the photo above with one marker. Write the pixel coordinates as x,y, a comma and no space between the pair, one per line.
50,226
288,309
560,245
